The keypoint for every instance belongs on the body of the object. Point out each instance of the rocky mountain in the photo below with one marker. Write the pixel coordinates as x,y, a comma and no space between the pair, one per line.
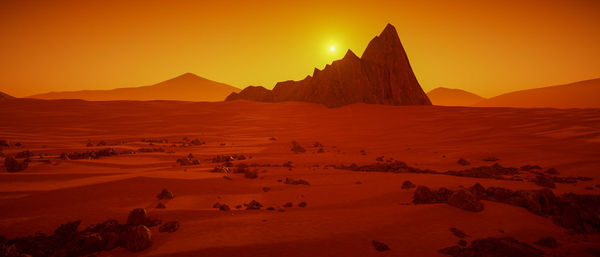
186,87
582,94
381,76
453,97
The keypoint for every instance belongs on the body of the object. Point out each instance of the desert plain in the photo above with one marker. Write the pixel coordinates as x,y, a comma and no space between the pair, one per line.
344,209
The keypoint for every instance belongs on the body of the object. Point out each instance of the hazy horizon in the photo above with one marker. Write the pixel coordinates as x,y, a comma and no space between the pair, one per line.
484,48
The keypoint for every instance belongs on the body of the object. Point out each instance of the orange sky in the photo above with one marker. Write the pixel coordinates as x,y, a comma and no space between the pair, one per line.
481,46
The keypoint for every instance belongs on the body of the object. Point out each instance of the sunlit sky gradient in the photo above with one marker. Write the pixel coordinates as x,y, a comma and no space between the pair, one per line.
486,47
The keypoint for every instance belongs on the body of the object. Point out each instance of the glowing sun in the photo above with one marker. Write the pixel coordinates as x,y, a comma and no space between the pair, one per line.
332,48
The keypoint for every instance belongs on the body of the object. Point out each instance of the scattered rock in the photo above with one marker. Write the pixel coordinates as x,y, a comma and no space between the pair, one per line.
187,161
302,204
379,246
530,167
228,158
91,155
266,189
165,195
458,233
254,205
549,242
495,171
544,181
291,181
197,142
271,208
465,200
425,195
494,247
297,148
463,162
462,243
12,165
288,205
160,206
169,227
220,169
151,150
408,185
224,207
317,144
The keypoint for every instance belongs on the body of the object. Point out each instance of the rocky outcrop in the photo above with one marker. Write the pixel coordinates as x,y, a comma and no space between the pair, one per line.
494,247
67,240
382,75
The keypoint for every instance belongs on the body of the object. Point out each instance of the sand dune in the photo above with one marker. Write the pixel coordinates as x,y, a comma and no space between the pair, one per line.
187,87
341,217
453,97
583,94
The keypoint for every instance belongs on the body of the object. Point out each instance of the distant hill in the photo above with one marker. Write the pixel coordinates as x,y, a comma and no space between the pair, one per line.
186,87
583,94
453,97
4,96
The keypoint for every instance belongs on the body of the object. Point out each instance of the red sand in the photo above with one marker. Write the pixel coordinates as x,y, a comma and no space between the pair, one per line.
341,218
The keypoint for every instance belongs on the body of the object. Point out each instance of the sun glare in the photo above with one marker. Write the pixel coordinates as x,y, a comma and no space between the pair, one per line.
332,48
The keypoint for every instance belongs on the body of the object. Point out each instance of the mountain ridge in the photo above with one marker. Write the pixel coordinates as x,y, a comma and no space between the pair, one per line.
382,75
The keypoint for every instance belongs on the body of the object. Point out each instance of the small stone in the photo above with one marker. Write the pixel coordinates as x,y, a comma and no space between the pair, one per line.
169,227
408,185
379,246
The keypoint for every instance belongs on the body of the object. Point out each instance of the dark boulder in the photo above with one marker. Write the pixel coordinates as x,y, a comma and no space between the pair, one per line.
137,238
465,200
12,165
137,216
408,185
379,246
165,195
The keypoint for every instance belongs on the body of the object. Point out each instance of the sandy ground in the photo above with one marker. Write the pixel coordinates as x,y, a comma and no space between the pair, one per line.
341,217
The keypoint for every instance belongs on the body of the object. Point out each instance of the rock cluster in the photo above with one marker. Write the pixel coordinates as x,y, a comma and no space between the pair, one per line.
494,247
571,211
13,165
66,240
228,157
291,181
89,154
297,148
